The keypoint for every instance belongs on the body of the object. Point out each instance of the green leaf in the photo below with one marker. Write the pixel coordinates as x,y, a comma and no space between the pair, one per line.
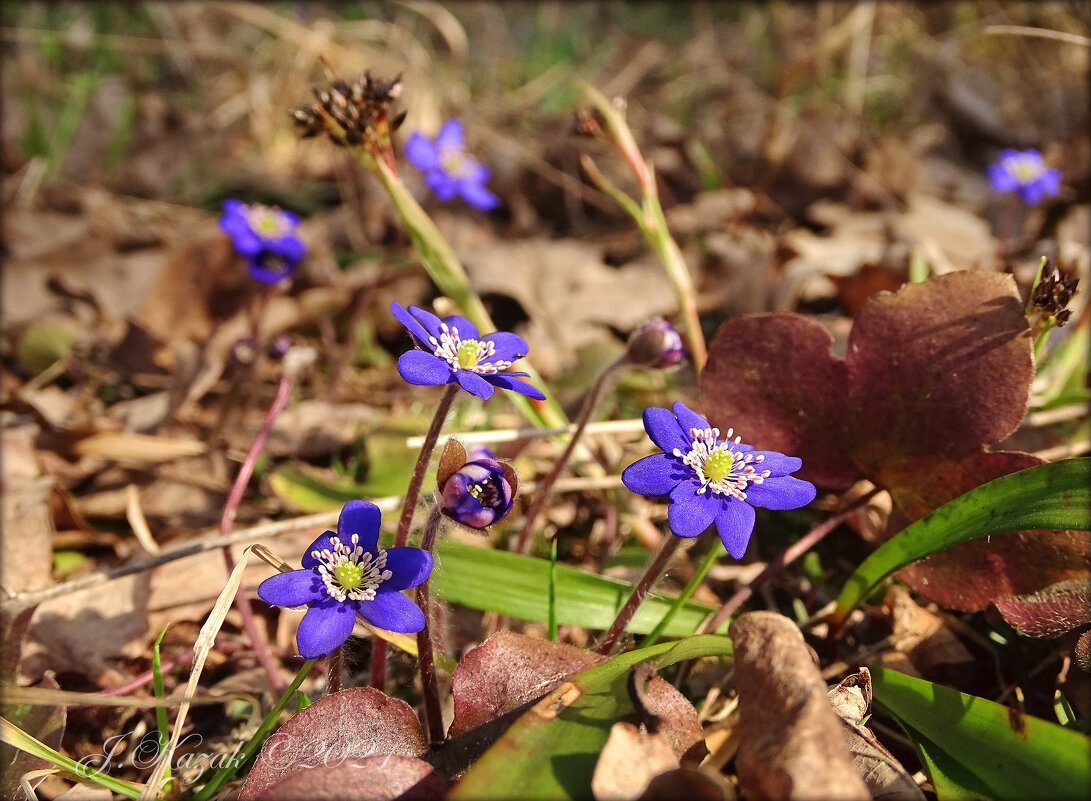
976,748
518,586
1049,496
551,750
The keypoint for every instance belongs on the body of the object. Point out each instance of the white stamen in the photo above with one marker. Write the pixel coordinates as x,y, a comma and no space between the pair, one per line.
449,347
373,567
740,472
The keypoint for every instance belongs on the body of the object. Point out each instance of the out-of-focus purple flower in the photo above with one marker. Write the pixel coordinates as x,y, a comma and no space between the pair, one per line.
265,236
655,344
710,480
479,493
1026,173
451,350
447,169
348,574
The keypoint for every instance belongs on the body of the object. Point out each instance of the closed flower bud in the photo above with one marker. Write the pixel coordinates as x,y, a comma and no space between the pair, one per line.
655,344
475,493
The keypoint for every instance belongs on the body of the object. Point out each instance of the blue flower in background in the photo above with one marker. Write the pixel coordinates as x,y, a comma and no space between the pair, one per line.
1026,173
265,237
710,480
447,169
348,574
451,350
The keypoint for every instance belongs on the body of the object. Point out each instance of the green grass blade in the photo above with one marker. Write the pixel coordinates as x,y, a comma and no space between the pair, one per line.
519,586
1049,496
553,756
161,722
976,748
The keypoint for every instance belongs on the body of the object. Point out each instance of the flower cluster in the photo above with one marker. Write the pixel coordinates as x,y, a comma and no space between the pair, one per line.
1052,294
451,349
712,480
1026,173
348,574
266,237
448,171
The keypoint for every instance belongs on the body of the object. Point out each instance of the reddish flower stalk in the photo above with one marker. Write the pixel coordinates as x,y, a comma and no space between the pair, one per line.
284,388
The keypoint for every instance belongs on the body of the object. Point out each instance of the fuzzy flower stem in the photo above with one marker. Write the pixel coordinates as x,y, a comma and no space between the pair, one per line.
284,388
707,562
378,649
590,403
662,556
232,766
334,666
433,712
649,217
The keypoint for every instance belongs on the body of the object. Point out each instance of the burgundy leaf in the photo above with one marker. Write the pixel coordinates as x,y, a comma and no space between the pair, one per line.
374,778
349,725
772,378
1050,612
939,369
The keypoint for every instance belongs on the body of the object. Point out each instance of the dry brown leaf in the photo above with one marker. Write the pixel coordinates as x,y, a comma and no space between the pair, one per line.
631,758
921,634
793,747
124,446
26,537
884,775
570,295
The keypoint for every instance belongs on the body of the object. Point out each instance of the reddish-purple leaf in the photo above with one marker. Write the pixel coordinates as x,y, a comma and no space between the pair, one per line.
939,369
349,725
375,778
507,671
772,378
1050,612
970,575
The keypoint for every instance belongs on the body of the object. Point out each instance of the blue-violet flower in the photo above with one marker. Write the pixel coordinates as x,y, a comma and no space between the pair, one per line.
712,480
451,350
478,494
447,169
348,574
1026,173
266,237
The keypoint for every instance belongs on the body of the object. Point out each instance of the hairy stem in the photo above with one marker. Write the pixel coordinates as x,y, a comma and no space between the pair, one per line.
378,650
433,712
284,388
662,556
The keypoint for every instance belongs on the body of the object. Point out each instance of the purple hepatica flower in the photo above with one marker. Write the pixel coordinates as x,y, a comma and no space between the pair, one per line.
478,494
348,574
1026,173
265,237
655,344
713,480
447,169
451,350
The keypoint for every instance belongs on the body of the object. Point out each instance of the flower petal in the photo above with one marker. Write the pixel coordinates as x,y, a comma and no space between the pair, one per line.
653,475
689,513
466,329
474,384
324,628
416,330
443,186
687,418
783,492
507,347
420,152
450,135
424,369
430,321
505,381
361,518
776,463
410,567
392,611
321,544
664,431
475,193
294,588
735,524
